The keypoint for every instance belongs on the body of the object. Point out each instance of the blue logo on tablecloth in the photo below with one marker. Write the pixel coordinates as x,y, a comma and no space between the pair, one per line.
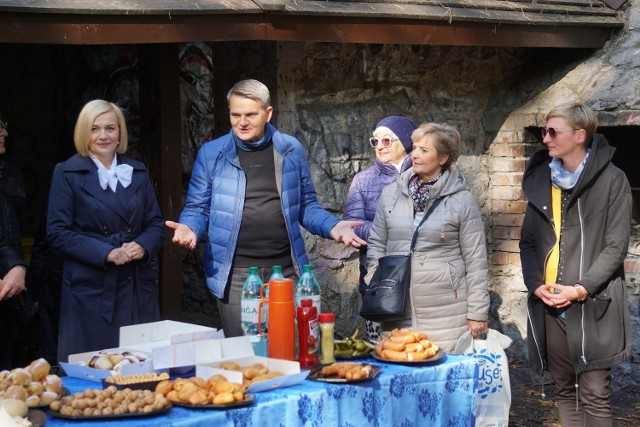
489,371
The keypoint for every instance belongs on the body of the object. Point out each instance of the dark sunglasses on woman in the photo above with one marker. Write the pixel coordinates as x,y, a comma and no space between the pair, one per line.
553,132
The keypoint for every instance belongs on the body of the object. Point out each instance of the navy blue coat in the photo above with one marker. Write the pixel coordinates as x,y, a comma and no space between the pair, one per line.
84,224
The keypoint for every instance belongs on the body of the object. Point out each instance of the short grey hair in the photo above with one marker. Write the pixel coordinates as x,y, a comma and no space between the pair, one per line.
252,89
446,140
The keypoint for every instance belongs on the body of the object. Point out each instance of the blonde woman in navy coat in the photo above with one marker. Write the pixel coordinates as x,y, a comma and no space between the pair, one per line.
104,218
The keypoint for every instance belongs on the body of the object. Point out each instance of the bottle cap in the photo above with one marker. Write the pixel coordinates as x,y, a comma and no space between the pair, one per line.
306,302
281,290
253,270
327,317
307,267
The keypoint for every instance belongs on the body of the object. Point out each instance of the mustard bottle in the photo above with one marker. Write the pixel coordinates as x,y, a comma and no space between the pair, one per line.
327,323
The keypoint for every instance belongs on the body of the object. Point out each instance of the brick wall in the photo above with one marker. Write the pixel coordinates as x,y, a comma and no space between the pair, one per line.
508,158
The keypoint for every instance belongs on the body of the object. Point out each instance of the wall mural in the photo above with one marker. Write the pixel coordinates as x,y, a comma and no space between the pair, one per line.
196,98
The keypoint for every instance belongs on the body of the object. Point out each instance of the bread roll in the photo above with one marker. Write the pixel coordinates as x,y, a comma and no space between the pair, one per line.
199,397
32,401
48,397
39,369
52,383
20,376
222,398
16,392
15,407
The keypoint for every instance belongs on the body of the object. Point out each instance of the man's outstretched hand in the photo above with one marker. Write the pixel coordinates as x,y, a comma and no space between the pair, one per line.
343,232
182,235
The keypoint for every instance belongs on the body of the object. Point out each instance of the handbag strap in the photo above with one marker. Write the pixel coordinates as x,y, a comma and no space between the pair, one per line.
424,218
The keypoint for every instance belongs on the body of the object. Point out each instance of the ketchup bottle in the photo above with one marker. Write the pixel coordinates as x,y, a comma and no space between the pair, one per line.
308,334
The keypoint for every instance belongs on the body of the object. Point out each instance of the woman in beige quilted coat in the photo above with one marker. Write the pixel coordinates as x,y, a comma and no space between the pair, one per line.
449,265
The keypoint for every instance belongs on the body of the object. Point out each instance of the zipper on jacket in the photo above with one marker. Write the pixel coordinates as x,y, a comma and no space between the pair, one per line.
535,340
582,341
455,291
279,181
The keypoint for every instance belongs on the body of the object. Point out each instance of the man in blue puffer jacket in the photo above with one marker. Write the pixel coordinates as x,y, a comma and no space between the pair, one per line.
250,191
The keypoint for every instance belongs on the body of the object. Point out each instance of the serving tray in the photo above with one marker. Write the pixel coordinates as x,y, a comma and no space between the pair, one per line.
314,375
439,357
247,401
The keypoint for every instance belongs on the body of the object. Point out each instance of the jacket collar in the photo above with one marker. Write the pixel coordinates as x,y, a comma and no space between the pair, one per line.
389,169
78,163
282,144
536,181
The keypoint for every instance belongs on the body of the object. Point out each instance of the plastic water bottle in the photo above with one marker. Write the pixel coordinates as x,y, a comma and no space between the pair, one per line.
249,301
308,288
276,273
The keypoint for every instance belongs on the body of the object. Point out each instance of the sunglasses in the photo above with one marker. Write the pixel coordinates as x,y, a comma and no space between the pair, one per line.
3,126
553,132
386,142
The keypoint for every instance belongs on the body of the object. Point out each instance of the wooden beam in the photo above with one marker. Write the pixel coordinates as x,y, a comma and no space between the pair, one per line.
106,29
308,29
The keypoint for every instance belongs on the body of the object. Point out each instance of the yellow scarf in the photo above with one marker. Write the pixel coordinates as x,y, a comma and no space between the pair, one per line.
551,267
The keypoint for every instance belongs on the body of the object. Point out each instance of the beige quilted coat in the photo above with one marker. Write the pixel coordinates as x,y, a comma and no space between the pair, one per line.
449,266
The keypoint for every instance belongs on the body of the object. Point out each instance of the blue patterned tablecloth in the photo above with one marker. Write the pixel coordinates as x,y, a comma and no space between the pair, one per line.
401,396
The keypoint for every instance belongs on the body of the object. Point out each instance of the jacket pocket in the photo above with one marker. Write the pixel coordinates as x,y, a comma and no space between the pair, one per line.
601,305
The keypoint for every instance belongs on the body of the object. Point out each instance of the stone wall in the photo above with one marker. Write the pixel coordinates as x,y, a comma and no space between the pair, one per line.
330,96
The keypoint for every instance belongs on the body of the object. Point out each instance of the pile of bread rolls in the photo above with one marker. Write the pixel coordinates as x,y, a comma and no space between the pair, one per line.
216,390
252,373
406,345
110,402
33,384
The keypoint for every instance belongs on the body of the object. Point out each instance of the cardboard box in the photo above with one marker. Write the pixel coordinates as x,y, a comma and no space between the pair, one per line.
76,367
240,350
183,343
147,336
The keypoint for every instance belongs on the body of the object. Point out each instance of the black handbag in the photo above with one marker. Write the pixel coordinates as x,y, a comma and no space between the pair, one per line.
387,295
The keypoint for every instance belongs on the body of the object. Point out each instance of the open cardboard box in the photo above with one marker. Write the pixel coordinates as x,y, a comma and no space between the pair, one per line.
240,350
183,343
77,365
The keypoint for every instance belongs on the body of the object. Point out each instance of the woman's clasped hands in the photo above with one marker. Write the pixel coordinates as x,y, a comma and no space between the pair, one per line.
558,296
128,252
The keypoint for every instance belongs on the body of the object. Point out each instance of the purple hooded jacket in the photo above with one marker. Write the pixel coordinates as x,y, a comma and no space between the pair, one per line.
362,201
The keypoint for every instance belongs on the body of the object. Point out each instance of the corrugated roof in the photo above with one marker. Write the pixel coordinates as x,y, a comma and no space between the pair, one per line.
563,23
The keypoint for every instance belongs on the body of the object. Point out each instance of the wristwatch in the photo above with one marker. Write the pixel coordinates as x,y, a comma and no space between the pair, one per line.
578,286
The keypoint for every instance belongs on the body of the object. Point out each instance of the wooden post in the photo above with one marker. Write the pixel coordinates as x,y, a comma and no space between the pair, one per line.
160,129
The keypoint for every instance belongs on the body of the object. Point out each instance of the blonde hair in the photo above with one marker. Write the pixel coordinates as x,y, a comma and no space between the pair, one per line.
89,113
578,115
446,140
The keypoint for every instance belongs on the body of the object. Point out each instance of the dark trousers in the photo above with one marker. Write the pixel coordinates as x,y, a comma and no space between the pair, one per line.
583,400
229,309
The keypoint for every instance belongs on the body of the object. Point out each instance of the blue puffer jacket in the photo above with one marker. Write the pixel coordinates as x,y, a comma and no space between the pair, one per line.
216,199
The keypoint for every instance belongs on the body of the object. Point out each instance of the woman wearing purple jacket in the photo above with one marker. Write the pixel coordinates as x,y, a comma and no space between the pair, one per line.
392,144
